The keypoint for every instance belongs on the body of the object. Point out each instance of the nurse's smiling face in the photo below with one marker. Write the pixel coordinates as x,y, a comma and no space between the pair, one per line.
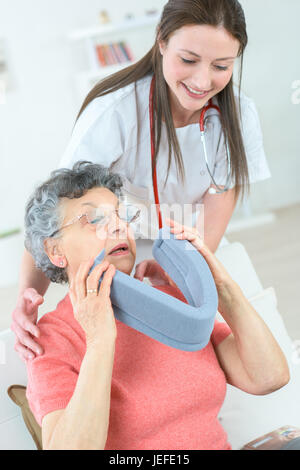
198,62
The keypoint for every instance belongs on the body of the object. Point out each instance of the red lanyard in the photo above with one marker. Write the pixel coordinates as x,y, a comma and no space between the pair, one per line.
152,134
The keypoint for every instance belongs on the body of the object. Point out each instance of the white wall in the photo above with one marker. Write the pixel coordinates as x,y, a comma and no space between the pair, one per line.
272,65
37,119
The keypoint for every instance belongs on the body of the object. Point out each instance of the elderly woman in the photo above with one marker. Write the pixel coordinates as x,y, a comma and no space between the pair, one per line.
103,385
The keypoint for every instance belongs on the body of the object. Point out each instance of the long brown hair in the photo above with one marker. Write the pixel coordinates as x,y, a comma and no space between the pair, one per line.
176,14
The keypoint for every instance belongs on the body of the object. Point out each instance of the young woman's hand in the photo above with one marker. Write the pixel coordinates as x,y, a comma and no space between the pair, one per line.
24,318
225,285
93,310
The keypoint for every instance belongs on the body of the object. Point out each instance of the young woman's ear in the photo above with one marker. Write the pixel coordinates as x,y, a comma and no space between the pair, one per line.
54,253
162,46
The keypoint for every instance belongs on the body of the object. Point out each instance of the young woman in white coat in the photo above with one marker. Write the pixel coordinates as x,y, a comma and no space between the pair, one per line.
143,123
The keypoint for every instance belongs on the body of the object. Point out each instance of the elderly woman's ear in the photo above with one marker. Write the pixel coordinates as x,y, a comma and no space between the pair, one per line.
55,253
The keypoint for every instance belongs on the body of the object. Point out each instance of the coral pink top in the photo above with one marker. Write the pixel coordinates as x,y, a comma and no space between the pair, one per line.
161,398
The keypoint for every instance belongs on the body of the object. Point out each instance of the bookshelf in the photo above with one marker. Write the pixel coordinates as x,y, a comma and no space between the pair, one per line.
110,37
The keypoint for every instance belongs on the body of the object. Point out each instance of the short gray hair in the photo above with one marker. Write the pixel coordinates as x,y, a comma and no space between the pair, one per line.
42,214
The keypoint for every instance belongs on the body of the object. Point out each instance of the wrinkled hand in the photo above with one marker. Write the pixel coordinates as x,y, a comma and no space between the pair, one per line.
24,319
151,269
94,311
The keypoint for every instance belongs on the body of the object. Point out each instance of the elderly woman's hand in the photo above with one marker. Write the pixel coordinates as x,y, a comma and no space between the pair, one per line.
154,272
93,310
224,283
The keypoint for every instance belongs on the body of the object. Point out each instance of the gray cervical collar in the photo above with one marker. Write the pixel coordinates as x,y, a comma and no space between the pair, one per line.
162,317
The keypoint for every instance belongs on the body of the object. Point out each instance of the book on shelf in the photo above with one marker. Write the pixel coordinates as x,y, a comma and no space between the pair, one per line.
118,53
113,53
110,60
100,56
127,51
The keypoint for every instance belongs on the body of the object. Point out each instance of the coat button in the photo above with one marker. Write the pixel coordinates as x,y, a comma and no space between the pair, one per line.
202,173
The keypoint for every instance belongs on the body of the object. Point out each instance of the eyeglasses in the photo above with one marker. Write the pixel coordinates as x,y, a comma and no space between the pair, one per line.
101,216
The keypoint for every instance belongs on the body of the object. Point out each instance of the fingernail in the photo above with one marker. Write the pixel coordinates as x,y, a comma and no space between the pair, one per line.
30,356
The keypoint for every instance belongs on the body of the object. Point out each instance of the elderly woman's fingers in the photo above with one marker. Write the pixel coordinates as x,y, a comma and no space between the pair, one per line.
193,238
174,225
140,270
153,271
93,279
177,228
219,272
172,222
183,232
79,284
186,235
107,280
217,269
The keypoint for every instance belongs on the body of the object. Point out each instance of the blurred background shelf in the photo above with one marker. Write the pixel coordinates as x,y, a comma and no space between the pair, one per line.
111,28
89,38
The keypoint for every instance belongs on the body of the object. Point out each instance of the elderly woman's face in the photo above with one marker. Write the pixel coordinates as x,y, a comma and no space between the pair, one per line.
82,240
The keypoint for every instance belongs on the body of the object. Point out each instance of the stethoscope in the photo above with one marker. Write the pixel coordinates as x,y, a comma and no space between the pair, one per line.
218,189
